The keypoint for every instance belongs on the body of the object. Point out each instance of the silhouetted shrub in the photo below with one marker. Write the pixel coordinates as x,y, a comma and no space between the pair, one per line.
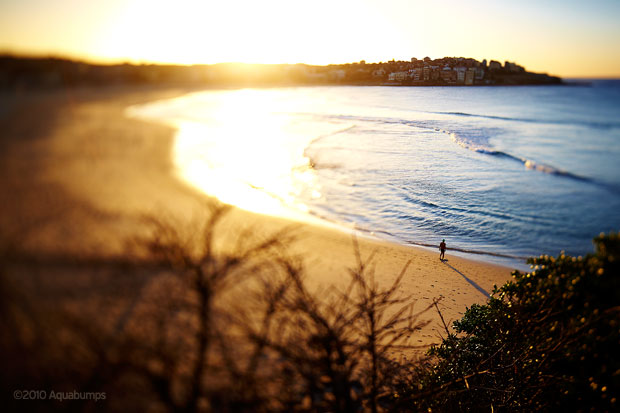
546,341
331,350
184,324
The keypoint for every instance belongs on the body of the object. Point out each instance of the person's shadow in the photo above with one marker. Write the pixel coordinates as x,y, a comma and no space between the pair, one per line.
469,280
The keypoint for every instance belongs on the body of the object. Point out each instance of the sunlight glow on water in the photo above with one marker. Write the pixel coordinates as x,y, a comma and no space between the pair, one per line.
238,162
242,148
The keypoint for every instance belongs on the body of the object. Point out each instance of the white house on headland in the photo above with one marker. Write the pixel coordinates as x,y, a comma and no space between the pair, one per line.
398,76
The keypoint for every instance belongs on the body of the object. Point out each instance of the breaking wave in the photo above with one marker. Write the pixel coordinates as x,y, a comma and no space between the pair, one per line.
528,163
478,143
589,124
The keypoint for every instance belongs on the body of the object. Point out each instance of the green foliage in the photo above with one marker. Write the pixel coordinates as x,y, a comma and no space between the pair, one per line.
548,340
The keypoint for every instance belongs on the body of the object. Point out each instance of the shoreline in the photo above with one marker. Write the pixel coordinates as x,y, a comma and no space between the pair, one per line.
311,218
86,176
151,112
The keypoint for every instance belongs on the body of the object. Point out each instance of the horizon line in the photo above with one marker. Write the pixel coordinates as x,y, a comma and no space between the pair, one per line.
93,60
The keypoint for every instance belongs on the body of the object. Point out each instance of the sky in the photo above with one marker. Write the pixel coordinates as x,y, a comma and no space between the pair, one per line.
568,38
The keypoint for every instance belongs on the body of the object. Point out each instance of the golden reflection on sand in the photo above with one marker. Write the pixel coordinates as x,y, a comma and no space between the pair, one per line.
248,153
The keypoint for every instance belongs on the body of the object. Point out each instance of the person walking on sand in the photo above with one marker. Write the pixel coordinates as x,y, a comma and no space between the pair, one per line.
442,248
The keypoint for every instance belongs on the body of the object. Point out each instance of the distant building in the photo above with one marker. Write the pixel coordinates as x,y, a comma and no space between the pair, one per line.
460,74
470,76
414,74
398,76
494,64
480,73
378,73
448,75
513,67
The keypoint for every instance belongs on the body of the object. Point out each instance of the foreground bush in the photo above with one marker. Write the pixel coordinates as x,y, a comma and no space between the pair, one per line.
182,324
546,341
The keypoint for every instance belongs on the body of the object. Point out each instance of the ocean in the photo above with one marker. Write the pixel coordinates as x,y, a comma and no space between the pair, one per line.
502,173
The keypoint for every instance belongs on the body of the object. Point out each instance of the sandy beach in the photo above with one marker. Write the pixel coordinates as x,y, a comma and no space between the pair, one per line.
77,176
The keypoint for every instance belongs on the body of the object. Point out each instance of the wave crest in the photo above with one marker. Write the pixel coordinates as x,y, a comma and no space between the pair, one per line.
584,123
481,146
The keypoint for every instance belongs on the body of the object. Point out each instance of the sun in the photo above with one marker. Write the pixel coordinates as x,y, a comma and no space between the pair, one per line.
272,31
